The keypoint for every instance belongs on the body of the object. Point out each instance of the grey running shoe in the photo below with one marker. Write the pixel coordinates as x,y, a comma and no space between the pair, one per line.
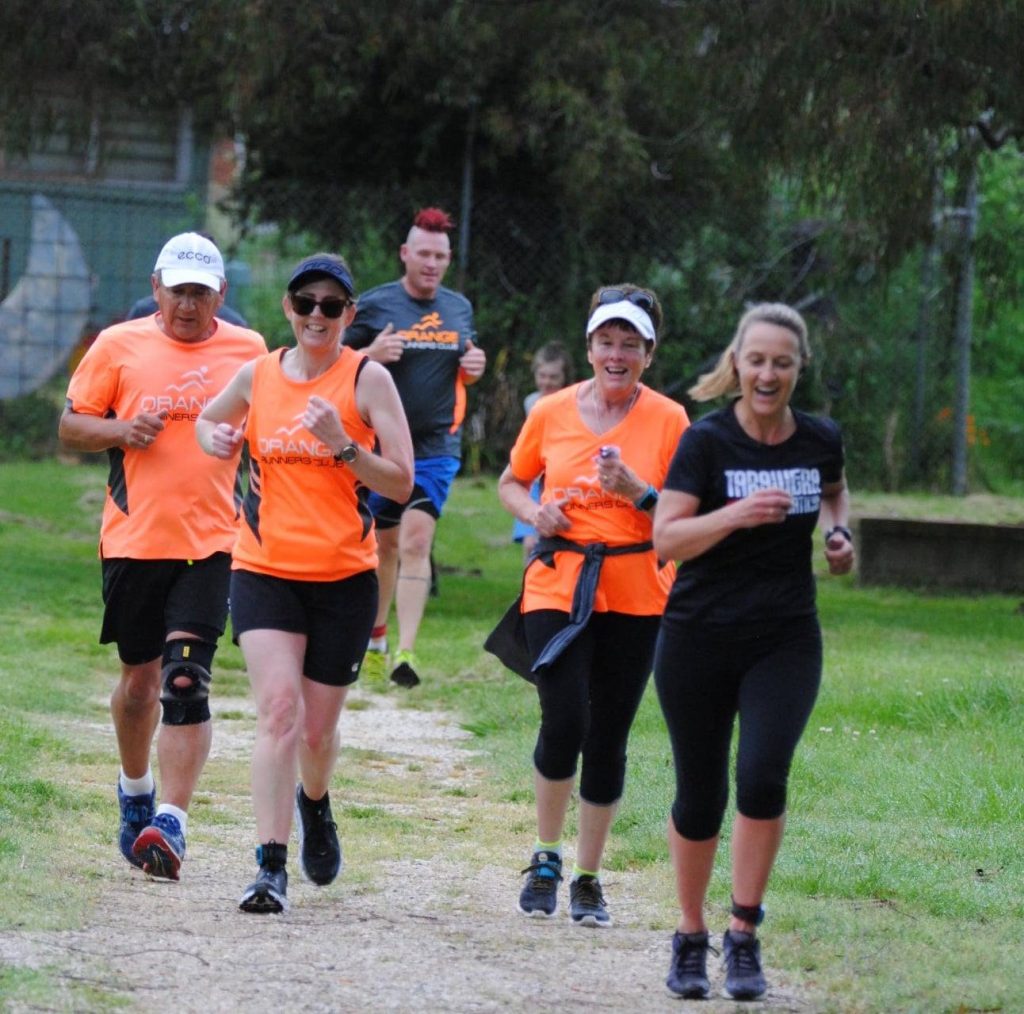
267,893
136,814
688,974
319,848
587,906
744,979
160,847
539,896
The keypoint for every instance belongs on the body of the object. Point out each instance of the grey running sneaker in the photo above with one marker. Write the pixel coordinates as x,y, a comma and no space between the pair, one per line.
267,893
744,979
160,847
319,848
688,974
136,814
587,906
539,896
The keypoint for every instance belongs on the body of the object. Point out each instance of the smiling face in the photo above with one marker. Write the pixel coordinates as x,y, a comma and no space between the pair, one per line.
314,330
426,256
619,357
767,364
186,311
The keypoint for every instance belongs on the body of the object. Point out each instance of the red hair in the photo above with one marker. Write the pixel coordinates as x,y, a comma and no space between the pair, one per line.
433,220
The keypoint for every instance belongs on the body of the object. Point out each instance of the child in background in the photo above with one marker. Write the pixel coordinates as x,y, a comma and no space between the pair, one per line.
552,370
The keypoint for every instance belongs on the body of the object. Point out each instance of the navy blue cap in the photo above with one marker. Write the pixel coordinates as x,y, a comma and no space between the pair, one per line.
322,266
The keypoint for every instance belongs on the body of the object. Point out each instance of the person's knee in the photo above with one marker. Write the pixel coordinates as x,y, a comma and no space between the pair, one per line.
554,760
698,820
185,681
280,715
604,786
319,738
139,687
762,799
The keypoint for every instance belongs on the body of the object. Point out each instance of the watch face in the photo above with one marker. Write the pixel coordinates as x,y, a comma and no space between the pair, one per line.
349,453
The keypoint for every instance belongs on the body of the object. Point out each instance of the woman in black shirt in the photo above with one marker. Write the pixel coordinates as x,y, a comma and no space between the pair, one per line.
740,633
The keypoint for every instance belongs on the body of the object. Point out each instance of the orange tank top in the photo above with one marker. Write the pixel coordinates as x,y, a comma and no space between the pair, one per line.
304,516
555,441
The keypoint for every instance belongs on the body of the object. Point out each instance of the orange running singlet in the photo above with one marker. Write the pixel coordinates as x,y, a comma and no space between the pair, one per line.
170,501
555,440
304,517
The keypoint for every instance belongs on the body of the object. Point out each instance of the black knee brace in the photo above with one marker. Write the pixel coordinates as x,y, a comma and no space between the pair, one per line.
190,658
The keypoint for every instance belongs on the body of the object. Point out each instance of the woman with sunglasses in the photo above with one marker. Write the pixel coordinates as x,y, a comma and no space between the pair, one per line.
593,591
740,637
303,584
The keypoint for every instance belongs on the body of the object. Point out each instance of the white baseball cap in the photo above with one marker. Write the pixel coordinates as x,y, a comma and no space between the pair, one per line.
190,258
623,310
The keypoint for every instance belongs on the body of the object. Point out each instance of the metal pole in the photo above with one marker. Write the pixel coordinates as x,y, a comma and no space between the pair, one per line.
962,336
466,203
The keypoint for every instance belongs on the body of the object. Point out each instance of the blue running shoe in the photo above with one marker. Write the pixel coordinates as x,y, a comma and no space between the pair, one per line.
136,814
160,847
744,979
539,896
587,906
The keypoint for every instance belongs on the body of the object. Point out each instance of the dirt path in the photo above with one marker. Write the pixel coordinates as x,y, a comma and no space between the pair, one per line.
433,929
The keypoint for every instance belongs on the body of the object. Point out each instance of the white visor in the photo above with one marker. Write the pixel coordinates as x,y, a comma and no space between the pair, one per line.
622,310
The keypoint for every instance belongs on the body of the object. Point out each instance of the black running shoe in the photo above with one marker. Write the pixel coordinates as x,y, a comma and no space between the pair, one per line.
267,893
319,848
539,896
587,906
688,973
404,674
744,979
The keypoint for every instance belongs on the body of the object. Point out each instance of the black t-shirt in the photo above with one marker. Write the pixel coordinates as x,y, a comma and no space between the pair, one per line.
762,573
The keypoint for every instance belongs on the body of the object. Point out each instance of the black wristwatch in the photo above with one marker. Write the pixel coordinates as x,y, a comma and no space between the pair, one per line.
648,500
842,530
348,453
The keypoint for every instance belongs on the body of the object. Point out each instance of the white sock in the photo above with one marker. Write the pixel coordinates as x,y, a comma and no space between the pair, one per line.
378,644
174,811
137,786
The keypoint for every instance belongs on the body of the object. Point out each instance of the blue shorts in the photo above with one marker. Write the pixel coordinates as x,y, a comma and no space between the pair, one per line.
521,530
431,485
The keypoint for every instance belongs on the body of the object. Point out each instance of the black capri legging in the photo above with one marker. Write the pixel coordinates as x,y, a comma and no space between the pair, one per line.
769,676
589,697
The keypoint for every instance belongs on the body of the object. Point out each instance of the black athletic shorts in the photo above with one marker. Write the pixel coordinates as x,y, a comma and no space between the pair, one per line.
335,616
146,599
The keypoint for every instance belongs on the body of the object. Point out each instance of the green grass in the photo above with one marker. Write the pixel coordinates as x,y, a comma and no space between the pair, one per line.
899,887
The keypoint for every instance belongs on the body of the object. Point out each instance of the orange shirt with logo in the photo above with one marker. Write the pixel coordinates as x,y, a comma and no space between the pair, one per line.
304,516
556,441
170,501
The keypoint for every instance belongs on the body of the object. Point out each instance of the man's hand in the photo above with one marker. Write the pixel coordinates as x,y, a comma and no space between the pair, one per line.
143,429
473,362
387,347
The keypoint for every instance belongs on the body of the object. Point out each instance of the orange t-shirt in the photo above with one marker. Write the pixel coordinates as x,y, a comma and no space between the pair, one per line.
170,501
305,515
555,440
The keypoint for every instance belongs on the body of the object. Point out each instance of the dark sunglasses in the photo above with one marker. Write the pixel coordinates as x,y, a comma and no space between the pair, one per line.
642,299
331,308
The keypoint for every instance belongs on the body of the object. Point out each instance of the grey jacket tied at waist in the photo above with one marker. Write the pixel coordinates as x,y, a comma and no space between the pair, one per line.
594,554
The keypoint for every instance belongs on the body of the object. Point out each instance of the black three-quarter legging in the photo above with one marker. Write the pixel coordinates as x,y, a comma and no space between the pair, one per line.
769,676
589,697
